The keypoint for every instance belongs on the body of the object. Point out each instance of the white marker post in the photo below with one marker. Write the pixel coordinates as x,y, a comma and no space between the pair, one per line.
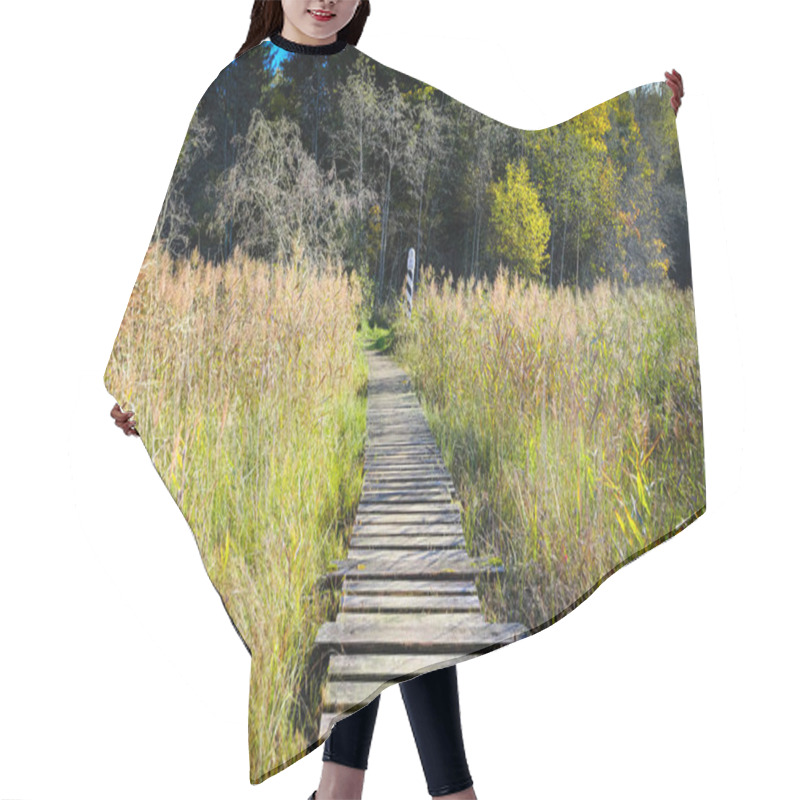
409,295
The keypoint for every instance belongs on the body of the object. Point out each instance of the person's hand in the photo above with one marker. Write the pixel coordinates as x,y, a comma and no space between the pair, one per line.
675,82
124,420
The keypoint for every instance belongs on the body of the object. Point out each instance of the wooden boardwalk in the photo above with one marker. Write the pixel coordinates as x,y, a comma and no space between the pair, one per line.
409,600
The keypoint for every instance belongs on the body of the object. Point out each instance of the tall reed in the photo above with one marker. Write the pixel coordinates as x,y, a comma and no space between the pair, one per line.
571,422
249,389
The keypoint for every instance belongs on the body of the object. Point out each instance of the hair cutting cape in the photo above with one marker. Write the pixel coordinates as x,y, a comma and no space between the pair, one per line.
419,381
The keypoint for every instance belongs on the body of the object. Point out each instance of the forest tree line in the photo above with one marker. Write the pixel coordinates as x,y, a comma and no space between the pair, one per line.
342,159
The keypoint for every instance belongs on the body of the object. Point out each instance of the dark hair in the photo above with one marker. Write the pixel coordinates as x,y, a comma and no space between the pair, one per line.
266,18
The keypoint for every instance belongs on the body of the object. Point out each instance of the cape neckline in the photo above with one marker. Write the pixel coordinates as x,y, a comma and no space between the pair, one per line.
308,49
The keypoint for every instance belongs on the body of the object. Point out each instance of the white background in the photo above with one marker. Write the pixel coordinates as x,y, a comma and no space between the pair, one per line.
120,673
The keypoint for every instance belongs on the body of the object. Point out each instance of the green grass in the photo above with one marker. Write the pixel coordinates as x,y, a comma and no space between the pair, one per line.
375,337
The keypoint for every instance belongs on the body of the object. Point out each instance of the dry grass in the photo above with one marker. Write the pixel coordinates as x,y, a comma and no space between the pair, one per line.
571,424
248,386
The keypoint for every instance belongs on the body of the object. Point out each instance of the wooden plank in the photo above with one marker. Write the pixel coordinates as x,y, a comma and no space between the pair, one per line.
403,456
350,695
409,542
414,633
385,513
409,476
402,435
382,667
411,604
373,447
425,507
424,563
419,564
408,450
403,474
371,483
391,529
410,471
371,464
407,427
404,484
415,493
407,586
418,518
414,433
398,440
406,496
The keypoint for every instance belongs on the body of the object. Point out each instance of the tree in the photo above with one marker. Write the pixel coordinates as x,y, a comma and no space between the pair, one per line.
175,220
520,224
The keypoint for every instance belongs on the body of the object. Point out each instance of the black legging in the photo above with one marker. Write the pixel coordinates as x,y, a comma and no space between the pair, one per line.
432,706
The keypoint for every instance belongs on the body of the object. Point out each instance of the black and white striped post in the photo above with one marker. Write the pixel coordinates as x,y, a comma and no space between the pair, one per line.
409,293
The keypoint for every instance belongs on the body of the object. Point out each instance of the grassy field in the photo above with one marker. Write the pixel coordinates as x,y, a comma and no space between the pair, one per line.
571,423
249,389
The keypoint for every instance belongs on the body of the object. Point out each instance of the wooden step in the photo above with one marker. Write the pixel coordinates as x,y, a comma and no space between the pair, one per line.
401,484
386,667
350,695
410,604
410,586
392,529
417,564
406,495
448,506
386,521
410,542
413,633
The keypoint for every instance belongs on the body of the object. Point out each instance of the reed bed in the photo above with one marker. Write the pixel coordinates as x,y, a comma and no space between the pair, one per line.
570,421
249,390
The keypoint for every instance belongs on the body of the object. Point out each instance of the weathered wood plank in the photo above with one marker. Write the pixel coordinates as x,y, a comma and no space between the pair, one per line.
404,633
404,484
383,667
400,471
420,564
411,604
372,483
409,466
427,507
414,424
350,695
404,500
396,440
418,518
410,542
421,435
392,529
407,586
383,495
410,470
404,456
405,450
409,476
372,447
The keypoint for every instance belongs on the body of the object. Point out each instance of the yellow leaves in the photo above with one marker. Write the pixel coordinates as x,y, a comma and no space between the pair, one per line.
520,223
